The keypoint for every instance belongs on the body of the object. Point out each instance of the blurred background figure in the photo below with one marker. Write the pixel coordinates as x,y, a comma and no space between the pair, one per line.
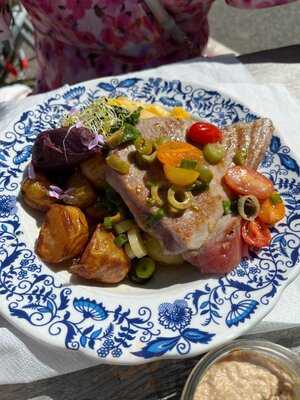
78,40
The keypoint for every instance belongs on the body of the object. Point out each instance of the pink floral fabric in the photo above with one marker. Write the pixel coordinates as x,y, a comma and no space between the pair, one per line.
83,39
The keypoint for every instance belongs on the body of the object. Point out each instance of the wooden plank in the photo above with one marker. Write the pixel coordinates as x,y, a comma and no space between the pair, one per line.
161,380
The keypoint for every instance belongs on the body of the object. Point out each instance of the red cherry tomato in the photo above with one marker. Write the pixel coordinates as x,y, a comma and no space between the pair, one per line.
203,133
243,180
256,234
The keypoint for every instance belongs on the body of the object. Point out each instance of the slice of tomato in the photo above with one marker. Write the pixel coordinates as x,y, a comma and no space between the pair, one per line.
173,152
244,180
271,213
203,133
256,234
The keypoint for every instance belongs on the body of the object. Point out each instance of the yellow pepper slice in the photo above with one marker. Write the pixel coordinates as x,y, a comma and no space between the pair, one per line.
180,176
180,113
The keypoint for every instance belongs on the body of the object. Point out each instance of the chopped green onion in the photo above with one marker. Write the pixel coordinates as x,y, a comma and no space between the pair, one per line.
121,239
188,164
116,163
136,243
226,207
124,226
179,199
145,268
241,156
128,251
199,187
248,207
130,133
154,218
213,153
143,146
115,139
205,174
275,198
107,223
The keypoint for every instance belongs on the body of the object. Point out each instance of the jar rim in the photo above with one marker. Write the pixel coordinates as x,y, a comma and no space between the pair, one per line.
283,355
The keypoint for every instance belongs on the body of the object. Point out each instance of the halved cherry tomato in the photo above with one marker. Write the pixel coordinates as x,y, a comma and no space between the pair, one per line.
256,234
180,176
203,133
172,153
243,180
271,213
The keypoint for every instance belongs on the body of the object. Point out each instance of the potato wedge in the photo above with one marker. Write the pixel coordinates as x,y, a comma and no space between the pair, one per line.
94,170
63,234
35,193
102,260
81,193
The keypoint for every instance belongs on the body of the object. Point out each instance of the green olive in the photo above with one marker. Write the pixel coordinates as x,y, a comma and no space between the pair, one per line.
213,153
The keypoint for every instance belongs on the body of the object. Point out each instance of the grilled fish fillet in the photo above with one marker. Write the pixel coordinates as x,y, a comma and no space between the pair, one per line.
198,226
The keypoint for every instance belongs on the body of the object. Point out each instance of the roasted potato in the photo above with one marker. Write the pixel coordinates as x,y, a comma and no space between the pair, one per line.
97,211
35,193
79,192
63,234
102,260
94,170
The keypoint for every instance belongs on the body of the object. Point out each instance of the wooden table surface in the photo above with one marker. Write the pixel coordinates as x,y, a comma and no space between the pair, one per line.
165,379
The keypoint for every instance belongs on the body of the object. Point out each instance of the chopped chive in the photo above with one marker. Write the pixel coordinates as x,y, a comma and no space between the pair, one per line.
188,164
199,187
154,218
227,207
121,239
275,198
108,223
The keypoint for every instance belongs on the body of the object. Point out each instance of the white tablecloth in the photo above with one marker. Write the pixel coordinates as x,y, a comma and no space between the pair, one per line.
22,359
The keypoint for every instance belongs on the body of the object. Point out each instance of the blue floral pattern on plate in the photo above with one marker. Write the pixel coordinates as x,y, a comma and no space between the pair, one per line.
136,329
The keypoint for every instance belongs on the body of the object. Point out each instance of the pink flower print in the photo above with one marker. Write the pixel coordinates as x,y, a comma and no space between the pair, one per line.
85,37
78,7
46,6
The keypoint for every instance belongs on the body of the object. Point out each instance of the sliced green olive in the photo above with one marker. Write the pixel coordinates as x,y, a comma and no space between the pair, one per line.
143,146
241,156
119,165
142,271
205,174
248,207
213,153
179,198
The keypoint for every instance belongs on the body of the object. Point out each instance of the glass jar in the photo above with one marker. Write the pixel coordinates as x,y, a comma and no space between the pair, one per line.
283,357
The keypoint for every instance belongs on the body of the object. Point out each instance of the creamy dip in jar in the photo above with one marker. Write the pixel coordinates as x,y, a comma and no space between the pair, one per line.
247,370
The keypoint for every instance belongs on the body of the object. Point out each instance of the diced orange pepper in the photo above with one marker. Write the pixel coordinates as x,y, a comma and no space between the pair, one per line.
172,153
180,176
271,213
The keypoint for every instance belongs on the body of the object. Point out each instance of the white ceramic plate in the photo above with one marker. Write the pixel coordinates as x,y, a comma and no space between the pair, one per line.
179,313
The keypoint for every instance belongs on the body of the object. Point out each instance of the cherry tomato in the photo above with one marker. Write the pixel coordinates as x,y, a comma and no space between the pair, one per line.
271,213
172,153
256,234
243,180
203,133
